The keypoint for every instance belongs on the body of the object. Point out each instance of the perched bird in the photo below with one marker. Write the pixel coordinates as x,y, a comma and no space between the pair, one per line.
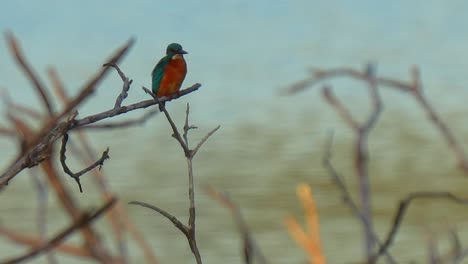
169,73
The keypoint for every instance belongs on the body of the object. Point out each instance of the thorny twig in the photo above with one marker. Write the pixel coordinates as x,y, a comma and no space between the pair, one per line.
189,230
76,176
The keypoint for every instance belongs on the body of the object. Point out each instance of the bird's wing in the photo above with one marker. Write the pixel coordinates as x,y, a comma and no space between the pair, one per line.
158,73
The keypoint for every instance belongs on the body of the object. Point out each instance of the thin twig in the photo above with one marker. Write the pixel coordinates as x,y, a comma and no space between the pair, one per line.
204,139
54,129
170,217
444,130
250,247
84,220
126,85
320,75
124,109
57,85
189,154
402,208
361,149
123,124
76,176
413,87
41,215
29,72
34,242
346,195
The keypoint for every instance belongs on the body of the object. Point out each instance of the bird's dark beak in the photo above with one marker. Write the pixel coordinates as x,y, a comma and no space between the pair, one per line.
183,52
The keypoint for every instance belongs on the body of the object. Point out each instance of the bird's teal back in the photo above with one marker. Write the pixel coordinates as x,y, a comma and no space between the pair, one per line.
158,72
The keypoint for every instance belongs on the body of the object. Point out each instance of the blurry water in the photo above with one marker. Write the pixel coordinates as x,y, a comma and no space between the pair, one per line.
243,53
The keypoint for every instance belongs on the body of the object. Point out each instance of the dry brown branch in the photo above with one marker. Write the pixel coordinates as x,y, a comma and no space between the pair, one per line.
118,217
124,109
41,215
361,150
82,221
54,129
250,247
23,109
37,242
92,241
8,132
345,194
321,75
57,85
189,155
413,87
126,85
127,123
446,133
29,72
173,219
402,208
76,176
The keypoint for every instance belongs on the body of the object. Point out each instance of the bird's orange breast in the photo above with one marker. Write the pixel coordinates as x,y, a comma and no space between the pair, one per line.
174,75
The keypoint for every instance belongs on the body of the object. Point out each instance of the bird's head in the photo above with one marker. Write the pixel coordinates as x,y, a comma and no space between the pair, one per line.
175,48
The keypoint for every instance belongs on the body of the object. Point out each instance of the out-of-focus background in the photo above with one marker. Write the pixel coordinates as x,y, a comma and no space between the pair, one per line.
244,53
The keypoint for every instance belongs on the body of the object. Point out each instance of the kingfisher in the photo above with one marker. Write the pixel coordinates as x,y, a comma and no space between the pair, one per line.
169,73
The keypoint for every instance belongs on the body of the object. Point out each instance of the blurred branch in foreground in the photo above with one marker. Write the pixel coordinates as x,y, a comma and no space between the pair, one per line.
250,247
414,87
37,147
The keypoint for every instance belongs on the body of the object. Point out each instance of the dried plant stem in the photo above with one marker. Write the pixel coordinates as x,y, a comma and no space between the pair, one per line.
80,222
189,231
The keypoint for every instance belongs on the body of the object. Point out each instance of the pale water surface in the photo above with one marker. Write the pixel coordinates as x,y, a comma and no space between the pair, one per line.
243,52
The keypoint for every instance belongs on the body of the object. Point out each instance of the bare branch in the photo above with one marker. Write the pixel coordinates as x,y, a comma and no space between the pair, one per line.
444,130
189,154
171,218
84,220
57,85
249,245
124,109
187,127
361,151
346,195
204,139
76,176
126,85
34,242
340,108
414,87
123,124
21,60
320,75
53,129
41,215
402,208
